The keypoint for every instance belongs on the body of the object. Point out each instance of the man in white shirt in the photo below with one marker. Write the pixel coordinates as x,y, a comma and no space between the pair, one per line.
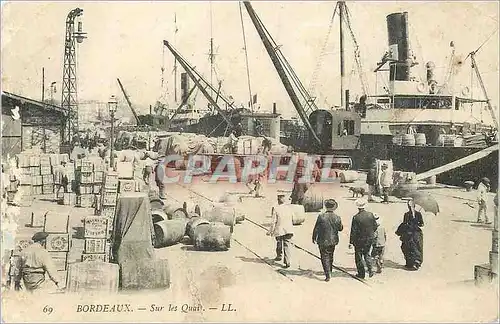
282,229
482,190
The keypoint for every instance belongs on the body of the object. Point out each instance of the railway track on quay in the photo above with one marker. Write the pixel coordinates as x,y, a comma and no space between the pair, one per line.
267,261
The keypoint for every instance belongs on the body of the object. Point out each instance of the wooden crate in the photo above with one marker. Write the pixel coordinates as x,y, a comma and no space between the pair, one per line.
63,277
35,170
55,159
87,178
23,160
125,170
109,199
97,203
127,186
26,171
37,180
25,179
37,190
60,260
45,160
87,257
87,166
98,177
56,223
48,179
109,213
45,169
111,181
34,160
37,219
57,242
93,276
85,200
97,189
86,188
93,245
69,199
12,186
47,189
95,226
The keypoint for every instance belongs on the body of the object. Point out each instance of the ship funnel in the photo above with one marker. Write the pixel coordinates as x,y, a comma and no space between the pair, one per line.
399,46
184,86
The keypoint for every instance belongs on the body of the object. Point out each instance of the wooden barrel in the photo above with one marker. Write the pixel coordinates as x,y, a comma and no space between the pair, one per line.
169,232
349,176
408,140
298,214
222,214
313,199
458,142
431,180
212,237
175,210
158,215
420,139
191,226
397,140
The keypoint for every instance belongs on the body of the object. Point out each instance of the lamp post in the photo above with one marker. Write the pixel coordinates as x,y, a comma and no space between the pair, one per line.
112,106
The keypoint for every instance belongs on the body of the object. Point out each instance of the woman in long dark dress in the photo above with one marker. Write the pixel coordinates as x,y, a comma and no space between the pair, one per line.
412,237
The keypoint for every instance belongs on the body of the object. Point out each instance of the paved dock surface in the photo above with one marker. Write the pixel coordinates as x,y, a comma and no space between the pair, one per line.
259,289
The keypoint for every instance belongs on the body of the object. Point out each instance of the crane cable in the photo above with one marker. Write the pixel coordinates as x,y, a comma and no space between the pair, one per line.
356,51
312,84
246,57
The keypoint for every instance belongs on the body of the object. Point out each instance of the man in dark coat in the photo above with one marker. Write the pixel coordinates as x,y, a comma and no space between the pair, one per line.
371,181
326,235
362,235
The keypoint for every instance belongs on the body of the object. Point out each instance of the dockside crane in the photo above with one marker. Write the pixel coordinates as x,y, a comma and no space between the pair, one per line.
483,88
202,84
129,102
299,96
69,100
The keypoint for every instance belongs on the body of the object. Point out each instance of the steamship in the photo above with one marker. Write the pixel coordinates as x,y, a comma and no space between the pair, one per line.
418,124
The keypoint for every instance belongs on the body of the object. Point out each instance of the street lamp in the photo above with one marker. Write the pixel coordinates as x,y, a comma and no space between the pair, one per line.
112,106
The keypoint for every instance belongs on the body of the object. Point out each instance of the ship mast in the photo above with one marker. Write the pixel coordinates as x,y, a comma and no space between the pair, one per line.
342,68
175,60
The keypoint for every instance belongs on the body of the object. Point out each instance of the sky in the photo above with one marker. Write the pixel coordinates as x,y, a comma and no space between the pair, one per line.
125,40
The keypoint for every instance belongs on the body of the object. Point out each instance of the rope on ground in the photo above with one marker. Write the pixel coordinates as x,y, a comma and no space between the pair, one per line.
295,245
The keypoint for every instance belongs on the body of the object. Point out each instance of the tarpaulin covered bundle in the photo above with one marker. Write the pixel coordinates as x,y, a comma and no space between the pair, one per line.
183,144
133,228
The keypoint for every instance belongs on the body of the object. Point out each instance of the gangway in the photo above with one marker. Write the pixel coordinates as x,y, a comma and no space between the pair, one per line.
458,163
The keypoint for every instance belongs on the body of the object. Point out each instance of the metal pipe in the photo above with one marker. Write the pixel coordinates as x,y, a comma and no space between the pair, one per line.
112,155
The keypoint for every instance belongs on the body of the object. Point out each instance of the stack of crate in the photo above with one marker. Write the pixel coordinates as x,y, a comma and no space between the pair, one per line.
25,190
34,172
96,232
46,174
85,171
109,198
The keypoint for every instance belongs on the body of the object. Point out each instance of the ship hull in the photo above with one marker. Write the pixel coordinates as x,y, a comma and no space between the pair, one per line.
419,159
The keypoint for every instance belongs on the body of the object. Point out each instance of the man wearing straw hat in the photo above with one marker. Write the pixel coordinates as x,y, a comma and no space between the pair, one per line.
363,228
326,235
482,190
34,262
282,229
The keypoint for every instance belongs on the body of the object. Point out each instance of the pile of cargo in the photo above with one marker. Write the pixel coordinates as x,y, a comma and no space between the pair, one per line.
89,174
36,175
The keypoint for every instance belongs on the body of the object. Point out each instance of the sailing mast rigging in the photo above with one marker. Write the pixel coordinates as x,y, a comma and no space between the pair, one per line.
246,59
175,60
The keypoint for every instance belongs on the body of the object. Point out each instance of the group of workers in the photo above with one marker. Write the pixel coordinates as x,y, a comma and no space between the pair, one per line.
367,236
